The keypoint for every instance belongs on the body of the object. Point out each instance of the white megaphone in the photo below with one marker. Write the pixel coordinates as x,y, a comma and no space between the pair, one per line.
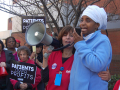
36,33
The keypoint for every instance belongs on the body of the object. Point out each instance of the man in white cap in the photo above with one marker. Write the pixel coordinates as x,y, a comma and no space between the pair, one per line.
93,51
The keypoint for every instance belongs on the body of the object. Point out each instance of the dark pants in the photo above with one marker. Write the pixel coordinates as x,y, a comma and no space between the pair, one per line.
41,86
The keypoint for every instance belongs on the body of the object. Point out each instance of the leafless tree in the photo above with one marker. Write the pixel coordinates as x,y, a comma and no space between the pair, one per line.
58,13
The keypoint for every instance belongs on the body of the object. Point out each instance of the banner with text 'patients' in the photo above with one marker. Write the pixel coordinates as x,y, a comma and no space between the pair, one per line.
27,20
23,72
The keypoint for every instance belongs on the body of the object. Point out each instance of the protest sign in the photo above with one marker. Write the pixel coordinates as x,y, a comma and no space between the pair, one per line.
23,72
27,20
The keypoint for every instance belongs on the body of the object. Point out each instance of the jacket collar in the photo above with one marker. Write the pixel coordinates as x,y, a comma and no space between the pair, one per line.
90,36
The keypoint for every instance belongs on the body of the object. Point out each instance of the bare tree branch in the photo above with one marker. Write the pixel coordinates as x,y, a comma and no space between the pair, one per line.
78,13
94,2
50,15
58,13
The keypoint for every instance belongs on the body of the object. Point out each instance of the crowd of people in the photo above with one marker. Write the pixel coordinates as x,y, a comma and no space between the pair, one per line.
13,51
84,65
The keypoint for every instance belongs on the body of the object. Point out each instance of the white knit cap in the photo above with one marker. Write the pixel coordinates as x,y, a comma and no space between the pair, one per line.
97,14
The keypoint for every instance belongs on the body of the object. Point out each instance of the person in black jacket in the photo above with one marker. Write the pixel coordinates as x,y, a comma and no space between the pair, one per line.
5,58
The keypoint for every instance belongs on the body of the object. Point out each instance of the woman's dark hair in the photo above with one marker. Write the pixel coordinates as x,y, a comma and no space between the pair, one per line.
40,44
7,40
40,55
65,30
2,44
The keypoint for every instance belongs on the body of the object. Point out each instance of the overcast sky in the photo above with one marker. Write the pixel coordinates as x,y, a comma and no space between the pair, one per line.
4,18
3,21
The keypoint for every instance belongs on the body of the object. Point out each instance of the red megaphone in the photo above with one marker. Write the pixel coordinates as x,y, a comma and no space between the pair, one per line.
3,71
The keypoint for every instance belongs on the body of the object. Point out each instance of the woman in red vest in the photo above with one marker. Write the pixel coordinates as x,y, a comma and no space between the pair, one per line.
59,63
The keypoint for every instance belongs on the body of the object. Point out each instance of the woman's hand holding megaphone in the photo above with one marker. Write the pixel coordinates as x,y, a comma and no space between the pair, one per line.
2,64
47,50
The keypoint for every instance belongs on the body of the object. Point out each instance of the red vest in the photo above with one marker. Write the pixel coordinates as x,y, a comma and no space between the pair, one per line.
54,65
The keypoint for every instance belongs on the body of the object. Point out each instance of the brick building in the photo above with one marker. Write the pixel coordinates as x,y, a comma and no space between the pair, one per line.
114,35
